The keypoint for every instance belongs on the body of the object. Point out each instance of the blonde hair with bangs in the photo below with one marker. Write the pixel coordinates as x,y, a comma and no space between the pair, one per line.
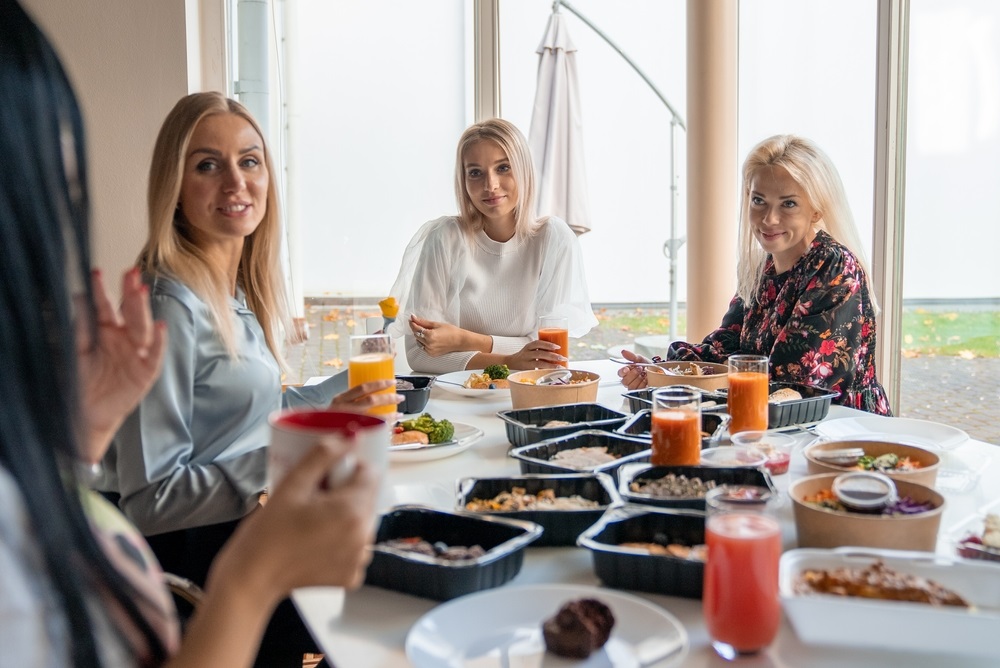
512,142
813,170
170,251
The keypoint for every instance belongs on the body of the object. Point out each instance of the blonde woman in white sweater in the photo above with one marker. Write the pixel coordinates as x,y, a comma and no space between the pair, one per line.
472,286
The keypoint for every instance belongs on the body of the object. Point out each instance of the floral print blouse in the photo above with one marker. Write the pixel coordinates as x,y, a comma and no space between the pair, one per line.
815,322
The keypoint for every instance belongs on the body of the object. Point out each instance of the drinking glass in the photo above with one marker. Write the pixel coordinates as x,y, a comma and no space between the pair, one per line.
676,427
372,359
555,329
740,597
747,393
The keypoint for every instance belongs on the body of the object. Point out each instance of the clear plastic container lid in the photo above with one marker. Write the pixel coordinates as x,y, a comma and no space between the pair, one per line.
865,491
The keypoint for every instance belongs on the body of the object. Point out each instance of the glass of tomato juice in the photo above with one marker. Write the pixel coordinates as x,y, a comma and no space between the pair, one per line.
676,427
555,329
372,359
740,596
748,378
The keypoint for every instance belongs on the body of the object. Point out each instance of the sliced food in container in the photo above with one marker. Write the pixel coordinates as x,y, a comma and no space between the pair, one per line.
587,451
649,549
416,547
531,425
643,398
562,504
683,486
878,621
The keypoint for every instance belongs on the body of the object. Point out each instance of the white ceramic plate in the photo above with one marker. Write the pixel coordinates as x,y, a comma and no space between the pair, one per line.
921,433
503,628
453,382
465,436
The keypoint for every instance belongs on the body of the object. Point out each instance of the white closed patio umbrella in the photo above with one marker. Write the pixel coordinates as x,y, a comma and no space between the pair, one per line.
556,134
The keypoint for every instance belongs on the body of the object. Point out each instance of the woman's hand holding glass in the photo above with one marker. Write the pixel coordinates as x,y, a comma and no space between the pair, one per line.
366,396
536,355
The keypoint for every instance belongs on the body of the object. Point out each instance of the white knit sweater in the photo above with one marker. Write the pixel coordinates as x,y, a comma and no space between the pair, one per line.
490,287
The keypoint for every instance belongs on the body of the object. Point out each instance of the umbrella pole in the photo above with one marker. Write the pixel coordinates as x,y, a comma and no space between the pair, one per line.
673,244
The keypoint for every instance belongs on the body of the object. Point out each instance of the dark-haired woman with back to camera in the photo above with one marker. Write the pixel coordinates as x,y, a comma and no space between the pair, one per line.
78,584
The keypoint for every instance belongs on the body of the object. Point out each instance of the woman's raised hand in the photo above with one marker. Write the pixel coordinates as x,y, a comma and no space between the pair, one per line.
118,365
633,377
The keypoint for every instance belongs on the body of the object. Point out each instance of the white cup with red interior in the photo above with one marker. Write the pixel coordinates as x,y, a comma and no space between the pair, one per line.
295,431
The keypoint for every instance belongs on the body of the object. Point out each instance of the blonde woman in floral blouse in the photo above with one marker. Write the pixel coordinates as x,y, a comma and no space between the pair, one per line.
802,295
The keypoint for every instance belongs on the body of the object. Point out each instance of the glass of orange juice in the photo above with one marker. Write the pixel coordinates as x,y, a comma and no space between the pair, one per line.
676,427
555,329
747,393
740,598
372,359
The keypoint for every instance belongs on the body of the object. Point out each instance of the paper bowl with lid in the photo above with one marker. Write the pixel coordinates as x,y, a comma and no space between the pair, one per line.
822,527
703,375
524,393
824,457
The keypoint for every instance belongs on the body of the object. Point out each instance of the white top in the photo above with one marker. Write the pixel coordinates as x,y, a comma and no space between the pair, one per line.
490,287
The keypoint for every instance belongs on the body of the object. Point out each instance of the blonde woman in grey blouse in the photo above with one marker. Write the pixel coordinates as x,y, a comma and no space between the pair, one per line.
190,462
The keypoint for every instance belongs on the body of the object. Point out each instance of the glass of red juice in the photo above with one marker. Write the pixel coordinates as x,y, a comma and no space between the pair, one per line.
676,427
555,329
740,597
748,385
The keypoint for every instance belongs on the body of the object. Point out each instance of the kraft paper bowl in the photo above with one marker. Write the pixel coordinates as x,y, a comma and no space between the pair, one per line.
927,474
819,527
525,394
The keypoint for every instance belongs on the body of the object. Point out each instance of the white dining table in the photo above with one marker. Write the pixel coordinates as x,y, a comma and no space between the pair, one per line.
368,627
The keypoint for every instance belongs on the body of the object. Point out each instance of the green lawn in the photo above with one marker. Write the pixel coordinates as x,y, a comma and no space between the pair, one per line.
951,333
947,333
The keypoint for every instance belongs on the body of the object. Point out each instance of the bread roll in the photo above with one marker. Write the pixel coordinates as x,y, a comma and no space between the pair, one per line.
784,394
406,437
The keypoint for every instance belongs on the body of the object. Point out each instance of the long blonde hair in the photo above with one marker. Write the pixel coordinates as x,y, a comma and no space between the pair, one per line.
813,170
170,251
505,135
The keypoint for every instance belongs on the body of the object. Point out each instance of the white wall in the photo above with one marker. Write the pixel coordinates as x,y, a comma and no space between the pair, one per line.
128,63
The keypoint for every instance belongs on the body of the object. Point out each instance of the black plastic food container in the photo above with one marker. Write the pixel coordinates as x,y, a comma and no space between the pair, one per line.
713,424
643,399
503,539
630,568
525,425
812,407
561,527
535,458
721,475
415,400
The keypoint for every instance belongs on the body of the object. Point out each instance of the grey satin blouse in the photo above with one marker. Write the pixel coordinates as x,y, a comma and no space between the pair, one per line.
193,452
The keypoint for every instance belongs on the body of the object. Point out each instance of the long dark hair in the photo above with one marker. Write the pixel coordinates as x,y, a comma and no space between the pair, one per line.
45,250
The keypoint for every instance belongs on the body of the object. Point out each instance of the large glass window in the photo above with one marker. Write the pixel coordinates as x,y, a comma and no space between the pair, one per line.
809,68
626,131
377,95
951,284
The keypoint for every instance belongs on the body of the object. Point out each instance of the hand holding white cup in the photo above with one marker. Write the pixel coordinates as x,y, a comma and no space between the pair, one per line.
295,431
